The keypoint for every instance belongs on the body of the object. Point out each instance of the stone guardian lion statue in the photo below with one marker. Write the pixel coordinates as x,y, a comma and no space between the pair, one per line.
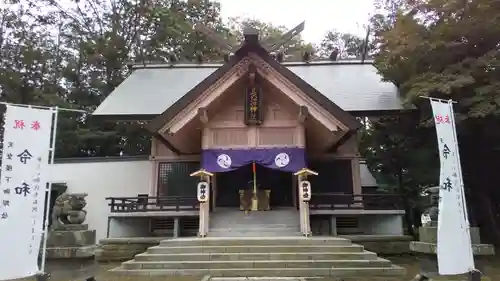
68,209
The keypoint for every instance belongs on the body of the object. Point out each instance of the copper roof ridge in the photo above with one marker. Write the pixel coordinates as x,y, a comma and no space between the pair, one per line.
325,62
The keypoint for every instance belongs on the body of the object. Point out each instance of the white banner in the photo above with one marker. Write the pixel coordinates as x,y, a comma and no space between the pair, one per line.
454,249
25,159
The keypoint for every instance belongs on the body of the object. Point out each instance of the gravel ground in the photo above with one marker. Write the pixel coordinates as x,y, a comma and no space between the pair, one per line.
412,266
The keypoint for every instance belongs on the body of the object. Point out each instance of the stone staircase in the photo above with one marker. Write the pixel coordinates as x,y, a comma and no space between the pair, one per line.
234,223
260,256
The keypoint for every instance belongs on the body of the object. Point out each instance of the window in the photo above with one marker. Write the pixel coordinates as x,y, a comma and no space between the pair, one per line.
174,179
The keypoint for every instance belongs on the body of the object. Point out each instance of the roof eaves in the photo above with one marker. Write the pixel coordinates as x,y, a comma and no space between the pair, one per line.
174,66
122,117
185,100
161,65
328,62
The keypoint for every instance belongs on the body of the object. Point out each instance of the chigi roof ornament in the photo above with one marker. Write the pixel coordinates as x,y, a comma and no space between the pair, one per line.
251,35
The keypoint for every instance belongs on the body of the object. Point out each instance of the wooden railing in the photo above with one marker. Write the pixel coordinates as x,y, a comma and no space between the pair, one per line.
151,204
335,201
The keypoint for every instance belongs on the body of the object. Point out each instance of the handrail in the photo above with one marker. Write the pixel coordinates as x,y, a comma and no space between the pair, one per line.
337,201
151,204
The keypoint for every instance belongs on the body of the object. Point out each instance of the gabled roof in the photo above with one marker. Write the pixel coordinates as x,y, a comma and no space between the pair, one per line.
344,117
354,86
341,115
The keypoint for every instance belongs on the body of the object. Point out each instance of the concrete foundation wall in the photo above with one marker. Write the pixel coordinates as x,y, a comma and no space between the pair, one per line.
101,179
123,249
390,223
382,224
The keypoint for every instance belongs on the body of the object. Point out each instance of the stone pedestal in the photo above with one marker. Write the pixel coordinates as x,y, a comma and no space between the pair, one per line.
427,246
71,253
429,234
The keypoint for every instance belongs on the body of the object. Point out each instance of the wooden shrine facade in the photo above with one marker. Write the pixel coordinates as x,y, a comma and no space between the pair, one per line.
251,103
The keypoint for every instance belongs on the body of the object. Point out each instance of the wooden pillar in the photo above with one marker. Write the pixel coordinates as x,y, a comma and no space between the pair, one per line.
356,182
153,180
176,227
307,219
304,211
206,209
301,208
356,176
201,226
214,191
333,226
305,224
204,212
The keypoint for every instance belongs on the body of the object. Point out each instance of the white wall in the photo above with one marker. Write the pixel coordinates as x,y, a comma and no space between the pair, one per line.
100,180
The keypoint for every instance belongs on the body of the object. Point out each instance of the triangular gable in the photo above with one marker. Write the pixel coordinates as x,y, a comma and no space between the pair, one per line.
344,117
158,122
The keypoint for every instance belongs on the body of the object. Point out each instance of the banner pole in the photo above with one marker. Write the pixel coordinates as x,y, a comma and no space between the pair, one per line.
436,99
55,111
459,171
459,164
254,197
44,107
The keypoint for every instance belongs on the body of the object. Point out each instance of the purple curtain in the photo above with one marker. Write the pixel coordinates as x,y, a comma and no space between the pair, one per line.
283,159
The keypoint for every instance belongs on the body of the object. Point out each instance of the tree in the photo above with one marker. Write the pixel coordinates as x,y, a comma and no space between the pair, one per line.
75,53
400,152
449,49
29,59
347,45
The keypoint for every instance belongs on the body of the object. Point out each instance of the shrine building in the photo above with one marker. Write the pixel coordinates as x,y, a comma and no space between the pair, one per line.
253,131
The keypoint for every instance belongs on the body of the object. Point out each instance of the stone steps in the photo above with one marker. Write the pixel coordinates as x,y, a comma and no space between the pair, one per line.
259,256
134,264
270,272
269,227
255,234
256,241
256,231
219,221
254,249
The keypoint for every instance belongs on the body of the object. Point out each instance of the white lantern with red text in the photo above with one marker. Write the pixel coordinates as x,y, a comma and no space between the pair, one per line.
203,191
305,191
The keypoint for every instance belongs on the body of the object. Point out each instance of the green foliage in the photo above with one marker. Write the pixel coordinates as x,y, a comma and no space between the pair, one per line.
74,53
450,50
401,153
347,45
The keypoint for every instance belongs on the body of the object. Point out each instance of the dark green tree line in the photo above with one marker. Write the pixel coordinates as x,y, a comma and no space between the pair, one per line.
449,50
75,53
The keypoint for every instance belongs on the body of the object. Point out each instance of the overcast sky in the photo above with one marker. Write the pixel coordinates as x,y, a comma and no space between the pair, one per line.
320,15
